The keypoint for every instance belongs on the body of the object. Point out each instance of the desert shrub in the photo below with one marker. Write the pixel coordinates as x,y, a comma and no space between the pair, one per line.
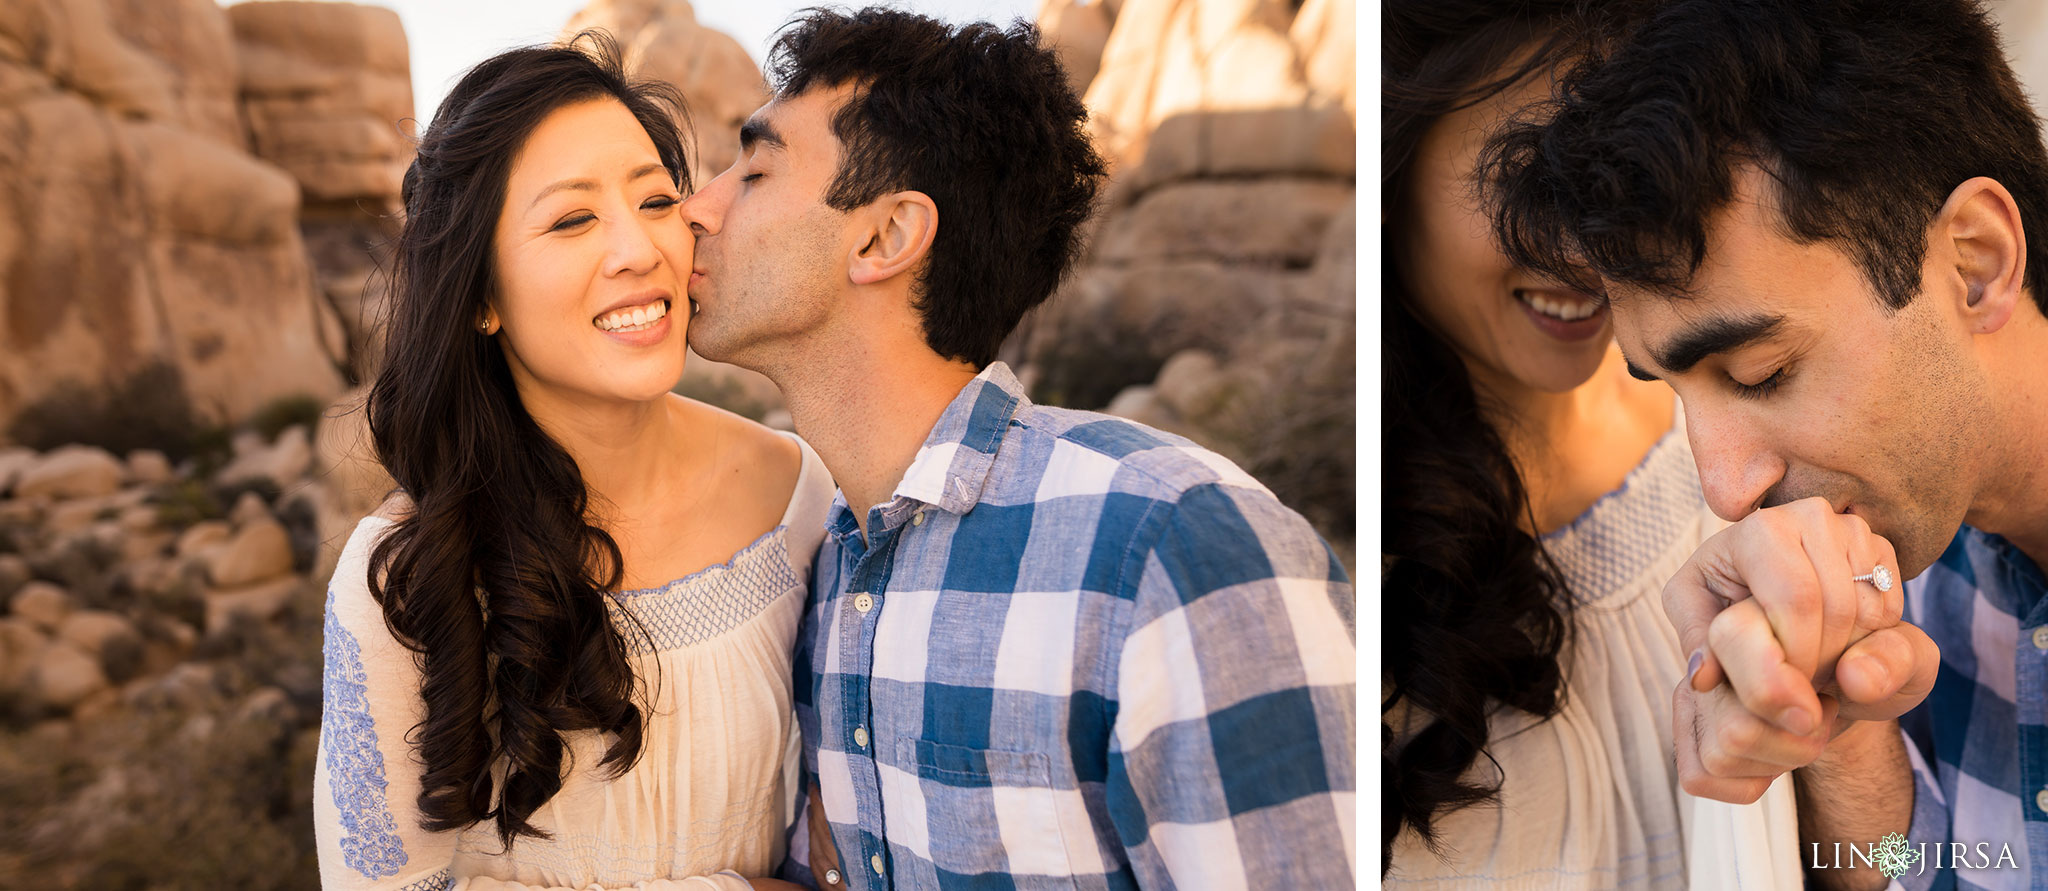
272,419
149,410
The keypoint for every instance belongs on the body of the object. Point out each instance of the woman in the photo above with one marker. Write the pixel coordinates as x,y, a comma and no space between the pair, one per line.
1537,499
561,657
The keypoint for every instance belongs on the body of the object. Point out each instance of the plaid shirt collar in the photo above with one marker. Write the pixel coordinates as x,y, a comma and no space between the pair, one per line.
952,467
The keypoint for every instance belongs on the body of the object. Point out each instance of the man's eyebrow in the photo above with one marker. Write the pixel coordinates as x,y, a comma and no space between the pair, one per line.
757,130
590,185
1714,335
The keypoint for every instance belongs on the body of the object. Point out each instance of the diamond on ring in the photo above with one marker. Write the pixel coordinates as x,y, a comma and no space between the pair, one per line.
1880,578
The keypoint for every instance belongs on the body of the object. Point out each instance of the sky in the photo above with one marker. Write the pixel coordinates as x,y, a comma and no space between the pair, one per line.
448,36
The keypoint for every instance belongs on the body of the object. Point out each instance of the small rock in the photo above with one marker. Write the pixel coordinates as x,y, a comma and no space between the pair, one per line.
21,643
72,472
282,463
261,550
65,675
203,536
149,467
186,687
249,509
140,518
261,601
14,573
69,517
98,705
42,603
166,642
108,636
146,545
1193,384
23,511
267,704
12,463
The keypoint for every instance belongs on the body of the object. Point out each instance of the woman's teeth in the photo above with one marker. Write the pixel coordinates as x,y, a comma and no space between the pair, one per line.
1561,310
635,319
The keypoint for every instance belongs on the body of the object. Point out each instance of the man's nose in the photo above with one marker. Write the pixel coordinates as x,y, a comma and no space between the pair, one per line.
705,210
1737,467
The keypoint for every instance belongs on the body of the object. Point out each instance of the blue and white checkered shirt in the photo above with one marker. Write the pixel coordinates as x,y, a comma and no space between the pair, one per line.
1979,744
1075,652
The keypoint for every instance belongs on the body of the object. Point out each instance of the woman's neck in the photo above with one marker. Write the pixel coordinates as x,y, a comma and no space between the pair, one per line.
628,452
1571,448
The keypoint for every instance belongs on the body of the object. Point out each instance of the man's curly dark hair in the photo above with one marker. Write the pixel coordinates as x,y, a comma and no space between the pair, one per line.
1866,114
979,118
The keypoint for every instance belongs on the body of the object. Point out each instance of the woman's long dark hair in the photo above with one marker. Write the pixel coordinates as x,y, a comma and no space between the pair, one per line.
496,579
1475,616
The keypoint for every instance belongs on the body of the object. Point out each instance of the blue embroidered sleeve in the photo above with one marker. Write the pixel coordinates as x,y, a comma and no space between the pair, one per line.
355,769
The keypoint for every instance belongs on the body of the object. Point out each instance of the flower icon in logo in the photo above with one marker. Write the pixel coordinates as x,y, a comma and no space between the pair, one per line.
1895,855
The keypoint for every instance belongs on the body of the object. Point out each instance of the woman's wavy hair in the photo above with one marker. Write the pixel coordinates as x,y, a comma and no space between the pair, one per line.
496,579
1475,614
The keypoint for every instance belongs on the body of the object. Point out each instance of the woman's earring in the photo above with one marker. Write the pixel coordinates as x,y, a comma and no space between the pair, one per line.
486,327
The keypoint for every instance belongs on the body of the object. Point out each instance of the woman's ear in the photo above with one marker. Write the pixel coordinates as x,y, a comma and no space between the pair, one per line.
1981,224
905,224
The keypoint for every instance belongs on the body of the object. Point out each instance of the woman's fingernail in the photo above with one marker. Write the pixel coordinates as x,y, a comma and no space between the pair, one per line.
1693,667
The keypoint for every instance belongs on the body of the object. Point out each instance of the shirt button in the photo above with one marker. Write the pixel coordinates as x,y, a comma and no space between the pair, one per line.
860,737
831,877
2041,799
2041,638
863,601
876,862
917,519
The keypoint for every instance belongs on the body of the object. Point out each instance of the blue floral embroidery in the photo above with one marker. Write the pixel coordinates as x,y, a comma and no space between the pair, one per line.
355,769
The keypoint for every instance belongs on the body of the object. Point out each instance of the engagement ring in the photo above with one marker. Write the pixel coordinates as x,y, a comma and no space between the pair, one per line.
1879,578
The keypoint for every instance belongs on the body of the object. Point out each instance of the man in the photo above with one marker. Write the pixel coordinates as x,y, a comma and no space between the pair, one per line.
1822,223
1046,648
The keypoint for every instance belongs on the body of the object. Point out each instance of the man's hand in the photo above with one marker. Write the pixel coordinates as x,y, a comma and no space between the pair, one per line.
1769,606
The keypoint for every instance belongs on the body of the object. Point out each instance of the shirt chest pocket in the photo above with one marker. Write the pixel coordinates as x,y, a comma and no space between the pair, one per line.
980,811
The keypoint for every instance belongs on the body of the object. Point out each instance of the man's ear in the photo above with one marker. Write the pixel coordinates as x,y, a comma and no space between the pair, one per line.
904,225
1981,223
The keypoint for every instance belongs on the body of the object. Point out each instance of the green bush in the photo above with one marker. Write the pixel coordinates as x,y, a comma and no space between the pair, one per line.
147,411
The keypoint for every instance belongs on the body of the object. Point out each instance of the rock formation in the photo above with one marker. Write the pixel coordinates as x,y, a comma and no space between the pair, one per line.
663,40
1217,298
139,237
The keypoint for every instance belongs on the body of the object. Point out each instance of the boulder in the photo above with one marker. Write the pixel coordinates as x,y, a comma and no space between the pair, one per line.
12,463
14,572
261,601
1077,32
325,86
71,472
108,636
279,464
257,552
202,537
21,643
248,509
1274,221
1194,384
149,467
43,603
64,675
663,40
133,198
